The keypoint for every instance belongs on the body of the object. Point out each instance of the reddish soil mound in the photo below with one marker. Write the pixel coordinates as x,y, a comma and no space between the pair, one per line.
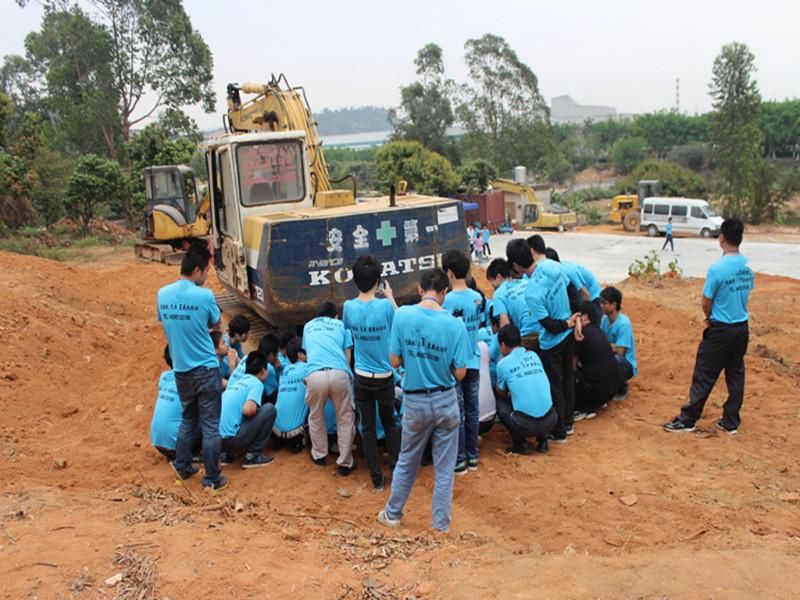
622,511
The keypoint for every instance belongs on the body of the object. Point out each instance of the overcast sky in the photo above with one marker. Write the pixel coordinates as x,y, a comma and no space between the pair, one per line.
621,53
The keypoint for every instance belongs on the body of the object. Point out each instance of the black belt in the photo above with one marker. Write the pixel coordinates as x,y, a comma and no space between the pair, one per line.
429,390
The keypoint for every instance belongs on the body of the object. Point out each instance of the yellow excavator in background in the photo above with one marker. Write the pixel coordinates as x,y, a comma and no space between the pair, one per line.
174,215
523,208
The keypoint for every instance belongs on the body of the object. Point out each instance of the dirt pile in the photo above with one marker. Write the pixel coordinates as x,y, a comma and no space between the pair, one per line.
623,510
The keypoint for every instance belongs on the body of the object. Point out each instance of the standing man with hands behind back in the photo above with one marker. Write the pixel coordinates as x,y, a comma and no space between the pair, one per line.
187,311
725,295
434,348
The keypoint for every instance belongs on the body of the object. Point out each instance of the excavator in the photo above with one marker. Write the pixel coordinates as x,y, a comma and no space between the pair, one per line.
626,208
174,216
283,236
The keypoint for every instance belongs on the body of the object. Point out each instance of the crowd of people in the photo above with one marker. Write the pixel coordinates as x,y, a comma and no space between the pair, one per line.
422,382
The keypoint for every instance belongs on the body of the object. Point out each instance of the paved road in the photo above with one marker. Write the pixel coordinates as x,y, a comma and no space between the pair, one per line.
608,256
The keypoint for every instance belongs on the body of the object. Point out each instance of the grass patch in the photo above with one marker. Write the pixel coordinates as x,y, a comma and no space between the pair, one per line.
55,243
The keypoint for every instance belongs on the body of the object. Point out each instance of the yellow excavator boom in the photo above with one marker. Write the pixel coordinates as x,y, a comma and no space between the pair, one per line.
278,107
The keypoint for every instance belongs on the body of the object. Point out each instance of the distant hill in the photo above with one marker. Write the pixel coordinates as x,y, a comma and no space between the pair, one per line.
352,120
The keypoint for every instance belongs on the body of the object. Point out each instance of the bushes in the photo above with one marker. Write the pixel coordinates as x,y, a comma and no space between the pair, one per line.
690,156
629,152
95,183
675,180
426,172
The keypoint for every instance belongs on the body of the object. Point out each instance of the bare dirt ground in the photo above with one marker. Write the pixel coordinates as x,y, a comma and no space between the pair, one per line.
624,510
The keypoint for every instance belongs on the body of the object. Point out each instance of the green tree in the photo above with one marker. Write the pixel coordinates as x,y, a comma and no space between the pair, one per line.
426,172
675,180
476,175
692,156
425,111
501,100
95,183
628,152
780,124
664,130
735,135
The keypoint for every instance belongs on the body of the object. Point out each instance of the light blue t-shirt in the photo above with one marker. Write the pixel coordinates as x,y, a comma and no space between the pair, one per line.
522,374
431,343
325,340
669,228
167,414
573,272
546,296
490,339
620,333
284,360
487,311
370,324
728,285
509,298
467,306
270,383
224,367
237,346
186,311
591,283
234,398
486,233
291,404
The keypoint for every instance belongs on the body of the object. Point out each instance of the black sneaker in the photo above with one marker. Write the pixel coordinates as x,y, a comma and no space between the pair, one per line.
677,425
184,475
319,461
721,425
542,446
380,485
220,484
558,438
343,471
226,458
253,461
570,430
523,449
580,416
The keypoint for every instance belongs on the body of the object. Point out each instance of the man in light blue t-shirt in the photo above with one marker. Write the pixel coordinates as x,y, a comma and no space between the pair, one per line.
328,346
369,319
523,394
619,331
548,302
466,304
434,348
509,303
167,414
291,406
725,296
246,423
187,310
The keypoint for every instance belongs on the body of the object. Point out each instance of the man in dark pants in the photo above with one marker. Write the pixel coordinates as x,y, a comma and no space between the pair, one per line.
186,310
246,423
369,317
523,394
546,296
725,296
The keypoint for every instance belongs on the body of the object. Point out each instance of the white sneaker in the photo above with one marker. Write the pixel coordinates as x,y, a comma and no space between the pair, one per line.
580,416
620,396
384,519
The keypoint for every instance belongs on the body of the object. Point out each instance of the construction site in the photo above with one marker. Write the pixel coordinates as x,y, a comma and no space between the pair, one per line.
639,504
623,511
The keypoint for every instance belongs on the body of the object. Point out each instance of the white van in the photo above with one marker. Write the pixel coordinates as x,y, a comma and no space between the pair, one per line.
688,216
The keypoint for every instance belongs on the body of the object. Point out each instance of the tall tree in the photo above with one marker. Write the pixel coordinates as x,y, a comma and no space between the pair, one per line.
501,98
425,110
72,55
735,136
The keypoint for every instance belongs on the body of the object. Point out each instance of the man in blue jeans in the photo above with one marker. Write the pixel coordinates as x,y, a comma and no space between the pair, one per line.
434,348
467,305
187,310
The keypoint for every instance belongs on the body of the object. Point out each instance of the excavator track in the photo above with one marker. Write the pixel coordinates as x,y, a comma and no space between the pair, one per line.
231,305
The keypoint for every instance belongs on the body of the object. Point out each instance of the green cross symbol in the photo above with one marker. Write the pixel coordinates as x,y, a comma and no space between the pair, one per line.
386,233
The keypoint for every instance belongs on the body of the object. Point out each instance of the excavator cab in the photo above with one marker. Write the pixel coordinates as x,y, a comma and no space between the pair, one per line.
172,198
649,188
